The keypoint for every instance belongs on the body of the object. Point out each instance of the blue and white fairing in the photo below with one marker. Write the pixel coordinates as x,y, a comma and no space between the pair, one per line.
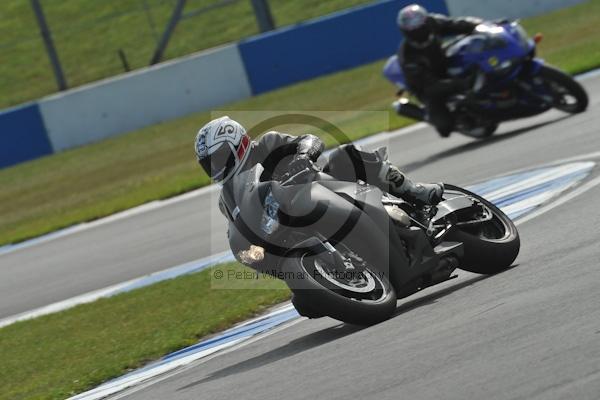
500,51
393,72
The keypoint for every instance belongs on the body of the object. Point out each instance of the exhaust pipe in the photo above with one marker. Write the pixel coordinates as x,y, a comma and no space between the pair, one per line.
404,107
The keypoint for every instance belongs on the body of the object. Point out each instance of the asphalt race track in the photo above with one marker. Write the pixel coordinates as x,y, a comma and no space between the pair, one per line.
531,332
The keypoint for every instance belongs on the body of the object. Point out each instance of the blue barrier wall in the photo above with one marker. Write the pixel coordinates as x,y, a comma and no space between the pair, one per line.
325,45
22,135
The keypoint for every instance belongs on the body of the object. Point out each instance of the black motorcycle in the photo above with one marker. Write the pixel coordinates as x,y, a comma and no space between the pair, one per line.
348,250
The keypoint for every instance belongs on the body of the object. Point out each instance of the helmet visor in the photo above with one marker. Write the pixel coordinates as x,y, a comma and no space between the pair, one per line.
420,35
218,164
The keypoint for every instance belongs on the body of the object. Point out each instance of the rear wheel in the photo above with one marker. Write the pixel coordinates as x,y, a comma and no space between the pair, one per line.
352,291
489,246
568,95
481,132
470,124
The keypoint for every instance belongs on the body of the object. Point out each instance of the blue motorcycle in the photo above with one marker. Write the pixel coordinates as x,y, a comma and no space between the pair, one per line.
509,81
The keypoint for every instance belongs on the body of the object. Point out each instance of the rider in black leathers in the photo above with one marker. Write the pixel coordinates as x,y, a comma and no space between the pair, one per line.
424,62
224,150
280,154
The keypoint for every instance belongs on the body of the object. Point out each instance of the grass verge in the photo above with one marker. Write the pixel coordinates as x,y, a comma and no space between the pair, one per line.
59,355
102,28
157,162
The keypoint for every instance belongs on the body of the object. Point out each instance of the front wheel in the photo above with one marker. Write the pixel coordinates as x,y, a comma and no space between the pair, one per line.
568,94
489,246
357,294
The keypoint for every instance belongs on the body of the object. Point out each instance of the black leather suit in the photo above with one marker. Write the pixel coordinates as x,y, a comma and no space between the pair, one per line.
425,68
275,151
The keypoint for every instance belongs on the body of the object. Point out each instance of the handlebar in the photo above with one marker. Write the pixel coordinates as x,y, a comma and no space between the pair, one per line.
289,180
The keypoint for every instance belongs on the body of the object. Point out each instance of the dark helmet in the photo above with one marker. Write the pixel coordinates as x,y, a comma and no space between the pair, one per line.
413,21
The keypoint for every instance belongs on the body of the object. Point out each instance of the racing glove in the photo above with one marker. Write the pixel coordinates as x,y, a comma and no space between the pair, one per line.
299,163
310,146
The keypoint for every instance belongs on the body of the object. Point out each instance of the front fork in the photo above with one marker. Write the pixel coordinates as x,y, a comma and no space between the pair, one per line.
535,65
532,82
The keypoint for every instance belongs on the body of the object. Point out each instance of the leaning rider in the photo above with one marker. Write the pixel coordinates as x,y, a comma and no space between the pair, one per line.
224,149
424,62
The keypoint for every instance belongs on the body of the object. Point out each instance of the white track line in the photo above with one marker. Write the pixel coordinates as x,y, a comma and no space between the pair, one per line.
158,371
136,388
109,291
538,179
588,75
559,202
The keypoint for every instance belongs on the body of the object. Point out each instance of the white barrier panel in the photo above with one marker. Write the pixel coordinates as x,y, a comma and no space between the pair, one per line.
145,97
492,9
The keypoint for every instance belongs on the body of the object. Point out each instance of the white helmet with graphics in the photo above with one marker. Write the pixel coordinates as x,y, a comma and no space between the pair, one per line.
222,148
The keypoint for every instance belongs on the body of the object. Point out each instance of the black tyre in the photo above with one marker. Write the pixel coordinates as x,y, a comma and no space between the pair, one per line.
304,306
481,132
491,246
365,297
569,95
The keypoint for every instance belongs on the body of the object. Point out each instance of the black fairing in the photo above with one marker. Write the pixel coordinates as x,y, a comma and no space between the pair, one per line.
330,210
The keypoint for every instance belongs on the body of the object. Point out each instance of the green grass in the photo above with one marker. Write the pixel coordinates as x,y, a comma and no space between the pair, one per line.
89,33
59,355
571,36
157,162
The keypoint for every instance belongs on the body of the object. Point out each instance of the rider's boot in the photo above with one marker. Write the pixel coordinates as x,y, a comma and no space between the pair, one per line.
443,131
401,186
440,117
